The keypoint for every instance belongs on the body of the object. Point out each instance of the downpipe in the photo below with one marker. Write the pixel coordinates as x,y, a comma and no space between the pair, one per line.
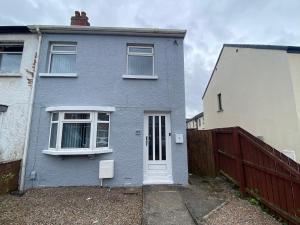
26,145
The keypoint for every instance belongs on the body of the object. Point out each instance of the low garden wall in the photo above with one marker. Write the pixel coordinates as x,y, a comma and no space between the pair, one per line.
9,176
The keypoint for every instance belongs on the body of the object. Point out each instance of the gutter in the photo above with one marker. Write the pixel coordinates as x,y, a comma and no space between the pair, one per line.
26,145
120,31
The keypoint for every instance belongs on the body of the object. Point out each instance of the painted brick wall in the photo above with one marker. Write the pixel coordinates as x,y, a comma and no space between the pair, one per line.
101,62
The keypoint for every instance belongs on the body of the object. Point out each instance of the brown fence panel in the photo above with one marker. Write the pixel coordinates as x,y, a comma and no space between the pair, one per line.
259,170
200,153
9,176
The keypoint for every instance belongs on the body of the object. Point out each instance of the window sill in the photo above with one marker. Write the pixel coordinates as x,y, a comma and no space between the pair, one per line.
141,77
10,75
77,151
58,74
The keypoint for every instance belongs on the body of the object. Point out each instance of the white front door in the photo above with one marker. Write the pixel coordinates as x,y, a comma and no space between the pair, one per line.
157,149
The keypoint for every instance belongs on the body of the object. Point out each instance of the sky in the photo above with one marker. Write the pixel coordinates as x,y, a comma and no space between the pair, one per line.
209,24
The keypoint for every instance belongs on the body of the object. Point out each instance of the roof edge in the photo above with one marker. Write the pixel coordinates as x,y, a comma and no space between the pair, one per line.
14,30
213,71
178,33
268,47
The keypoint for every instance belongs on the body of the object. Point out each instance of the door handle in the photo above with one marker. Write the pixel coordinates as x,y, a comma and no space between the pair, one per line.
146,140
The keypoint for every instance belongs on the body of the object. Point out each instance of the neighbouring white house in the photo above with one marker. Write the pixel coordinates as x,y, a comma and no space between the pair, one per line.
18,49
257,87
197,122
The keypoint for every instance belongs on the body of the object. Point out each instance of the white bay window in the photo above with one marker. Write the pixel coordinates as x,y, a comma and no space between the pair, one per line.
79,132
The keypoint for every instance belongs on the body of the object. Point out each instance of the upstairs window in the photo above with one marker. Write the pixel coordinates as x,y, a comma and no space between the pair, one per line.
62,58
10,57
140,60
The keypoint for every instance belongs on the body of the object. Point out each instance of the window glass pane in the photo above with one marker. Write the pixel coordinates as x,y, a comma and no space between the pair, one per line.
140,50
11,48
140,65
150,150
163,138
102,135
76,135
10,62
53,135
77,116
103,116
64,48
156,137
63,63
54,116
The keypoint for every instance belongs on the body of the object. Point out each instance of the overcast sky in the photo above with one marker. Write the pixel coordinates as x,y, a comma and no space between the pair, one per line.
209,24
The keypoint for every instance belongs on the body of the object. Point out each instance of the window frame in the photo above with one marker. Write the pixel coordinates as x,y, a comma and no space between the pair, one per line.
21,53
93,120
53,52
96,125
128,53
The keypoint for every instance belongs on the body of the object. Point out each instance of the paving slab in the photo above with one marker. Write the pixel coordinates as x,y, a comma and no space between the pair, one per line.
164,205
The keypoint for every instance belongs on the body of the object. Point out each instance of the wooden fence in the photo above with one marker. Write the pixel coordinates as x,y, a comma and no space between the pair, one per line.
258,169
9,176
200,153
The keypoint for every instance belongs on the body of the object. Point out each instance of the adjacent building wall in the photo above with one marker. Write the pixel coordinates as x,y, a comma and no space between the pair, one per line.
101,62
258,93
15,92
197,122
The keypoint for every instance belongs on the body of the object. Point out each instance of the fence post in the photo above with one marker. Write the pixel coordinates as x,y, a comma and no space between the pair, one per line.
215,151
239,160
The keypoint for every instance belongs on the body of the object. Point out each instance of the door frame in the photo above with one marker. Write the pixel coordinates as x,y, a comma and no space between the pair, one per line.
158,178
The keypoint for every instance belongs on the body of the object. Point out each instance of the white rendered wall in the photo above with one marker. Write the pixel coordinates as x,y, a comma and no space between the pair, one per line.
260,92
15,92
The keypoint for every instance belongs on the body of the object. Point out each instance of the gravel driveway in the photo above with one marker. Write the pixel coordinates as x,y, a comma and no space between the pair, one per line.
209,201
238,211
73,205
214,201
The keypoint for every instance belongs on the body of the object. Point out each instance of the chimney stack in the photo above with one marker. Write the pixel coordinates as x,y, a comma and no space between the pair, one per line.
80,19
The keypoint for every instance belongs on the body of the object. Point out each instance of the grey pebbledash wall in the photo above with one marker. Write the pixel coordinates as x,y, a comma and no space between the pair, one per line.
101,62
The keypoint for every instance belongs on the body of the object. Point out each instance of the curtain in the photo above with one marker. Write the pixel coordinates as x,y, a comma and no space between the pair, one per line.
140,65
63,63
76,135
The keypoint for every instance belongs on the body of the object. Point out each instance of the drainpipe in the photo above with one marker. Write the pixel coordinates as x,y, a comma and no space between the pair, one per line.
26,145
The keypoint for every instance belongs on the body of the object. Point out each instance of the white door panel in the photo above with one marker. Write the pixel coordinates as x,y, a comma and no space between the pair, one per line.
157,149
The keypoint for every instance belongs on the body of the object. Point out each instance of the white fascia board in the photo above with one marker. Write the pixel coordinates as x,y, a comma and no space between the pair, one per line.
81,108
151,32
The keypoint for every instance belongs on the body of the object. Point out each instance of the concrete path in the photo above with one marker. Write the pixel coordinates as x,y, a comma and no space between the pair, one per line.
166,205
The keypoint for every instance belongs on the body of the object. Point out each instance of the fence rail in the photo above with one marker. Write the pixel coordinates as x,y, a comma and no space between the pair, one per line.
256,167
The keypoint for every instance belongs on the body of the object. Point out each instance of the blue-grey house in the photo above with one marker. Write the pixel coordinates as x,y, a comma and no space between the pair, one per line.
109,103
